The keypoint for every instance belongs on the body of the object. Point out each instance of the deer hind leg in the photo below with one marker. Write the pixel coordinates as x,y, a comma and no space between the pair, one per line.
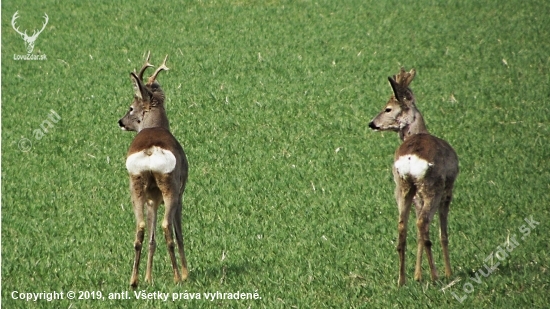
171,196
179,239
167,226
443,215
138,201
418,205
171,200
152,208
424,219
404,194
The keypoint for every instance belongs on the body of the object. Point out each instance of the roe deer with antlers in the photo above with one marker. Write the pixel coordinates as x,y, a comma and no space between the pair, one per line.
424,170
158,172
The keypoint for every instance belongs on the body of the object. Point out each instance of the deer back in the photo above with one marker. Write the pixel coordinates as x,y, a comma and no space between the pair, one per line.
426,157
156,150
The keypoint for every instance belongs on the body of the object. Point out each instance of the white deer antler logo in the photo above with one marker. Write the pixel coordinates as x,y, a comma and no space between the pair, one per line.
29,40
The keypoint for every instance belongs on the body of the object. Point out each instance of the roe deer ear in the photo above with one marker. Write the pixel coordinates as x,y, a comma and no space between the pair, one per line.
401,91
398,90
139,89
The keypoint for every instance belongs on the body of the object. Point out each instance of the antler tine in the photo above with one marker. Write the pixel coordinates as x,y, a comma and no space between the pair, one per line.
35,33
399,76
14,17
411,75
404,78
162,67
45,23
145,66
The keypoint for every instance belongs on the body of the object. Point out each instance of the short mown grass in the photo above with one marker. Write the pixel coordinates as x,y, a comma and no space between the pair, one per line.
290,194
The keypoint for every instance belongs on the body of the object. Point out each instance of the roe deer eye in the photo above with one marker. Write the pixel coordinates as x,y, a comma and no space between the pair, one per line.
388,110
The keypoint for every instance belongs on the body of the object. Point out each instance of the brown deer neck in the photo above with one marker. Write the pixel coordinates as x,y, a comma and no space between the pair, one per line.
416,126
154,118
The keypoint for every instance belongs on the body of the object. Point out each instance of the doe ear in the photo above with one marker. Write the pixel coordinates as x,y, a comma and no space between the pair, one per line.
139,89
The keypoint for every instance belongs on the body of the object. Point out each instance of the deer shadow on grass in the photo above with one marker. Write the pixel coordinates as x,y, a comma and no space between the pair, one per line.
223,272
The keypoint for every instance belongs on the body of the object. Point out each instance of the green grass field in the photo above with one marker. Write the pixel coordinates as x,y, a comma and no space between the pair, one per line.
290,194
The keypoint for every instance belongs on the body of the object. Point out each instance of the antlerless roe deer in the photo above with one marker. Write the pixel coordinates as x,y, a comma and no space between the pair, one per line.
425,168
158,167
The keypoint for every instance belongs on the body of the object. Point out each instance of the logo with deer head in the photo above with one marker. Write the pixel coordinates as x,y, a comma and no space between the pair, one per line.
29,40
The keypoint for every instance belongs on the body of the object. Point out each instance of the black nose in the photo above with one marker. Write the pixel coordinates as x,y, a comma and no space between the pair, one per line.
120,123
373,126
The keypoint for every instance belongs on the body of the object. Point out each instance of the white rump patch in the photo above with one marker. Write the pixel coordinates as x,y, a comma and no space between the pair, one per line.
154,159
412,165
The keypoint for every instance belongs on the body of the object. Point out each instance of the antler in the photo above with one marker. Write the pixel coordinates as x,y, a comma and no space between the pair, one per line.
145,66
16,16
24,34
404,78
34,34
162,67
